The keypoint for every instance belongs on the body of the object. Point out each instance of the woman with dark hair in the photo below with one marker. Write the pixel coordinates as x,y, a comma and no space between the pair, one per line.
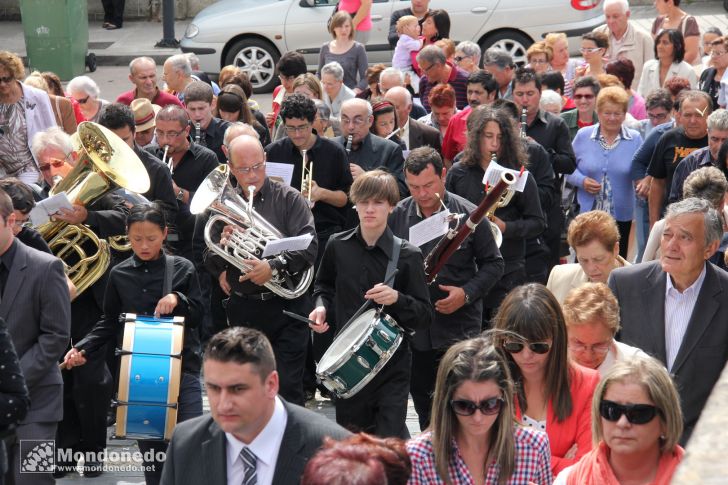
552,394
435,26
138,285
636,424
623,69
240,78
671,16
232,105
385,122
362,459
492,136
594,47
668,63
473,437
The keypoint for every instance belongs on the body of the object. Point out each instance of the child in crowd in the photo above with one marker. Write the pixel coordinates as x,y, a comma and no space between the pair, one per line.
408,28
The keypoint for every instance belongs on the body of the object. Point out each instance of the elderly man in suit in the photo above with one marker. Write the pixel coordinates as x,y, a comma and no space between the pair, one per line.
252,436
676,309
35,304
413,133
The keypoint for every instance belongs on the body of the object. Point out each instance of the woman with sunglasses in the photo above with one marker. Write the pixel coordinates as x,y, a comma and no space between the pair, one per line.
636,423
86,92
594,47
472,436
551,393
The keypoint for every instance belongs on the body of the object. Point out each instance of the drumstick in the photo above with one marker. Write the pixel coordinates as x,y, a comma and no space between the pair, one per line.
299,317
62,365
367,303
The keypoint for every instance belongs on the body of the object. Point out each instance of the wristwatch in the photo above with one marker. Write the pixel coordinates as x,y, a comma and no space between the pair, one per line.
276,264
467,298
181,194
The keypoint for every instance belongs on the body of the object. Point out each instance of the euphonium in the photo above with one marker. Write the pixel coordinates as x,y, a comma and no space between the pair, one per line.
106,163
252,232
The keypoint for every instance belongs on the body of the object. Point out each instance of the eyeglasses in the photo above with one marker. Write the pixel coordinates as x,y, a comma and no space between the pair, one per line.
589,50
715,53
53,162
538,61
23,224
247,170
84,100
580,348
583,96
657,116
427,69
488,407
283,77
636,413
7,79
167,134
535,347
357,121
458,58
297,129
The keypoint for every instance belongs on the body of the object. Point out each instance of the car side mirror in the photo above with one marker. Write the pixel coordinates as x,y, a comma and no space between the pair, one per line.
307,3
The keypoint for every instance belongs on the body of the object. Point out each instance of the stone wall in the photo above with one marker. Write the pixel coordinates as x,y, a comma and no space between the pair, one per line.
134,9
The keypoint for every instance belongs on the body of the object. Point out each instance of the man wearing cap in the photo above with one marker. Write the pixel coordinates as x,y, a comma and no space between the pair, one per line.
143,74
144,115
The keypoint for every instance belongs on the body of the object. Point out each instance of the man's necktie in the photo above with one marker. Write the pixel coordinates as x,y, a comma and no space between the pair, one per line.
249,459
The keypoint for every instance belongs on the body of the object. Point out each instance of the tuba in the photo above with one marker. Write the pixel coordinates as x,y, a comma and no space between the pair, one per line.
252,232
106,163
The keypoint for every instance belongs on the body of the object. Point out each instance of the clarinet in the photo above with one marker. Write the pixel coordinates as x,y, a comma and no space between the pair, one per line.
349,140
198,128
524,122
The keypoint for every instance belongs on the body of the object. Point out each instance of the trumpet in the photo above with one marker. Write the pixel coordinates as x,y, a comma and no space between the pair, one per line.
306,177
524,122
170,162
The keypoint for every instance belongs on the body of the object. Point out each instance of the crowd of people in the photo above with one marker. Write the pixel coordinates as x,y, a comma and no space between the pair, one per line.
523,367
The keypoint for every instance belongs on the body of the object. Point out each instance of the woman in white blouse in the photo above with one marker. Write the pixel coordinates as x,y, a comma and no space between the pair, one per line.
668,63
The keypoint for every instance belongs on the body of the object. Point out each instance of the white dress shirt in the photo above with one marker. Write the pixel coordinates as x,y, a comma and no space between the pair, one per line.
265,447
678,310
404,133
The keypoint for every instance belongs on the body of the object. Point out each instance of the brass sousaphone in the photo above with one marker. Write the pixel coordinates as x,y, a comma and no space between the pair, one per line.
105,163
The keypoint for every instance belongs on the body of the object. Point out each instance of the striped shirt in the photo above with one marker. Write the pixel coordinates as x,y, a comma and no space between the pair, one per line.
678,310
533,461
458,80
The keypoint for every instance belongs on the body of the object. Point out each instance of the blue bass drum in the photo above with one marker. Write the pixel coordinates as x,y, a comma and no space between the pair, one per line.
149,377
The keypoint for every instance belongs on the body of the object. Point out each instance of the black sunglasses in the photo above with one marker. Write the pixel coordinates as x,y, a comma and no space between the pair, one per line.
636,413
464,407
536,347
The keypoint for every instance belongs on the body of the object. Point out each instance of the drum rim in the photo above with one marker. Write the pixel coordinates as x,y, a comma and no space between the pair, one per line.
384,358
355,346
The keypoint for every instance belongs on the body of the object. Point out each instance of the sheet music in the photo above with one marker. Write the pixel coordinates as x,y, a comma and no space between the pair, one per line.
493,175
44,209
433,227
297,243
280,171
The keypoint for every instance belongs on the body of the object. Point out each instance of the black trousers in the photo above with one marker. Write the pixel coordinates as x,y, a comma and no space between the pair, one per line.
113,11
87,392
624,228
424,374
288,337
498,293
380,408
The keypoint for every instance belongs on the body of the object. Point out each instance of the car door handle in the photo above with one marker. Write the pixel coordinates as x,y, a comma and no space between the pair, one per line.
376,18
479,9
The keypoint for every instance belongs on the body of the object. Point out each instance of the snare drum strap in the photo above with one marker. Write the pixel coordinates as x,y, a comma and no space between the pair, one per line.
168,273
392,265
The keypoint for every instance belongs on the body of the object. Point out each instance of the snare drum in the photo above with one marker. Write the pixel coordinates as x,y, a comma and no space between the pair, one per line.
358,353
149,377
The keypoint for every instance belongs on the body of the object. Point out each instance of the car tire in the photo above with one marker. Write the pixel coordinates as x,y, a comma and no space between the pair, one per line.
515,43
258,58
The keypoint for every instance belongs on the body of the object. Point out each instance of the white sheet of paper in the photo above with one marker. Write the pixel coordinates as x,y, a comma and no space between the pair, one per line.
298,243
47,207
281,170
493,175
433,227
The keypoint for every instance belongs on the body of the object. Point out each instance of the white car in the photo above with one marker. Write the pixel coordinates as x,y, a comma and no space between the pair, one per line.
252,34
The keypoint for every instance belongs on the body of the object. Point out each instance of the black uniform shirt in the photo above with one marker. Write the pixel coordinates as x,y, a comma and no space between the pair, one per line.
551,132
136,286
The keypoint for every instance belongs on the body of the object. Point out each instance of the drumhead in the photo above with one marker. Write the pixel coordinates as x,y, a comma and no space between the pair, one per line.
347,340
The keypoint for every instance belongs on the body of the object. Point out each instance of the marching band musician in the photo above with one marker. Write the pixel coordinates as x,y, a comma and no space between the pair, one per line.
352,271
250,303
189,163
467,276
491,132
87,391
198,102
367,151
137,285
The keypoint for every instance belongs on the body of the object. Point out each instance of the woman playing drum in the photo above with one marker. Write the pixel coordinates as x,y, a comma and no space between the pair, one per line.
137,286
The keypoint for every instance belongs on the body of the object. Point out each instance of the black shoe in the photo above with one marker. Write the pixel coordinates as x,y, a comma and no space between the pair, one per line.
92,469
57,473
111,418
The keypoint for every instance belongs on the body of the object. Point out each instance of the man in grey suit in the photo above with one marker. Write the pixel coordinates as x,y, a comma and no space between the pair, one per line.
253,436
368,151
676,309
35,303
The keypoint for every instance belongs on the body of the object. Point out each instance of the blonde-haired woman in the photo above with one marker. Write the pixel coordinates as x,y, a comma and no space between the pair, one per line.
591,313
560,60
308,85
636,424
343,49
539,57
472,437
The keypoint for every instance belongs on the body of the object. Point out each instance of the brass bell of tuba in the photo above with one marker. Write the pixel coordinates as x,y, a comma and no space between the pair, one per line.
106,163
252,232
